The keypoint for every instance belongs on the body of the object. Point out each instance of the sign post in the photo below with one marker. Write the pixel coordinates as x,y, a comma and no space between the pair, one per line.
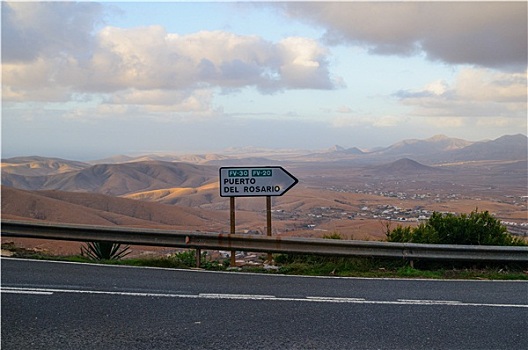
268,221
232,221
266,181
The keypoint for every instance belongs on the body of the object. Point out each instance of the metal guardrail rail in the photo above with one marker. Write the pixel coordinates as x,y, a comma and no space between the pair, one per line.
215,241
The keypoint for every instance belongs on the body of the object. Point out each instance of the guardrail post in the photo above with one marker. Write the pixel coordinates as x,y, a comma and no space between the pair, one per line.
198,257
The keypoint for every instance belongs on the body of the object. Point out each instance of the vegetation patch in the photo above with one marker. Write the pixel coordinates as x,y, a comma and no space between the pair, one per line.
477,228
104,251
312,265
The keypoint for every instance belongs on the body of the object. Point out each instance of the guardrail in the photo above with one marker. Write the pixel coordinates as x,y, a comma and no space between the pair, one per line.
253,243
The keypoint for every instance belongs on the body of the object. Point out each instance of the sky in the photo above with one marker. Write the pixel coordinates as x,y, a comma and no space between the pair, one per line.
88,80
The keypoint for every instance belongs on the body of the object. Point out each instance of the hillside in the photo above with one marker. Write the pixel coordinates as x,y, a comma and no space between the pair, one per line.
196,185
98,209
39,166
508,147
187,158
119,179
434,145
404,166
433,150
206,196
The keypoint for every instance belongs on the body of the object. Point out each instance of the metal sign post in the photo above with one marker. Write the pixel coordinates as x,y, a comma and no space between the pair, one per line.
232,221
264,181
268,222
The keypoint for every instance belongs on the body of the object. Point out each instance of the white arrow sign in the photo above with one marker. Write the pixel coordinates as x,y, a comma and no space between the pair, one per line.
255,181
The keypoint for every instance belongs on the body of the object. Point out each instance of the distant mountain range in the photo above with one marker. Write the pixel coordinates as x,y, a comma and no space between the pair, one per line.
434,145
508,147
167,181
35,166
440,148
435,150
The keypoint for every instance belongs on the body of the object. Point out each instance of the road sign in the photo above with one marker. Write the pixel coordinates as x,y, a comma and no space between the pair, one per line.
255,181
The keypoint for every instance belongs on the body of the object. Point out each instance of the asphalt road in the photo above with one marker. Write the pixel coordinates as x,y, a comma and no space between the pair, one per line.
50,305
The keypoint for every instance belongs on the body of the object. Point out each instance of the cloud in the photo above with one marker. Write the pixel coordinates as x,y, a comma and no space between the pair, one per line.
165,104
53,50
378,122
344,109
474,93
304,64
487,34
36,29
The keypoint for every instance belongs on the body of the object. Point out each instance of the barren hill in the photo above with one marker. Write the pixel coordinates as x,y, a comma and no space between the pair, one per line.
98,209
167,157
342,150
508,147
403,166
38,166
119,179
203,196
435,144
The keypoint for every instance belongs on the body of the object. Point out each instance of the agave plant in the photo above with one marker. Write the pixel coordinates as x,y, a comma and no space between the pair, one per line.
104,250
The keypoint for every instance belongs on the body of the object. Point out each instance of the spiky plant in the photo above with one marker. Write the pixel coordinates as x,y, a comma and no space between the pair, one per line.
104,250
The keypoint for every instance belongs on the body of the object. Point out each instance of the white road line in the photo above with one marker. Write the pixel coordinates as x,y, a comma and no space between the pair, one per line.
315,299
235,296
432,302
24,291
336,299
99,292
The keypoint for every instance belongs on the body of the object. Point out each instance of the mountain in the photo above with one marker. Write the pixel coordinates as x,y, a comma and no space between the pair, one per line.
168,181
431,150
187,158
336,148
249,161
508,147
35,166
339,149
354,150
119,179
203,196
403,166
433,145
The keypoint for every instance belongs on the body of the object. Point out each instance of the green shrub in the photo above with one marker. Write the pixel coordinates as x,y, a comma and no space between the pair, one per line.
477,228
333,235
187,258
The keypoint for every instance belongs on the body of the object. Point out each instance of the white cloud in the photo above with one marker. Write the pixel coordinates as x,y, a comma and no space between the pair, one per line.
195,100
474,93
34,29
379,121
139,63
444,123
488,34
344,109
487,85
